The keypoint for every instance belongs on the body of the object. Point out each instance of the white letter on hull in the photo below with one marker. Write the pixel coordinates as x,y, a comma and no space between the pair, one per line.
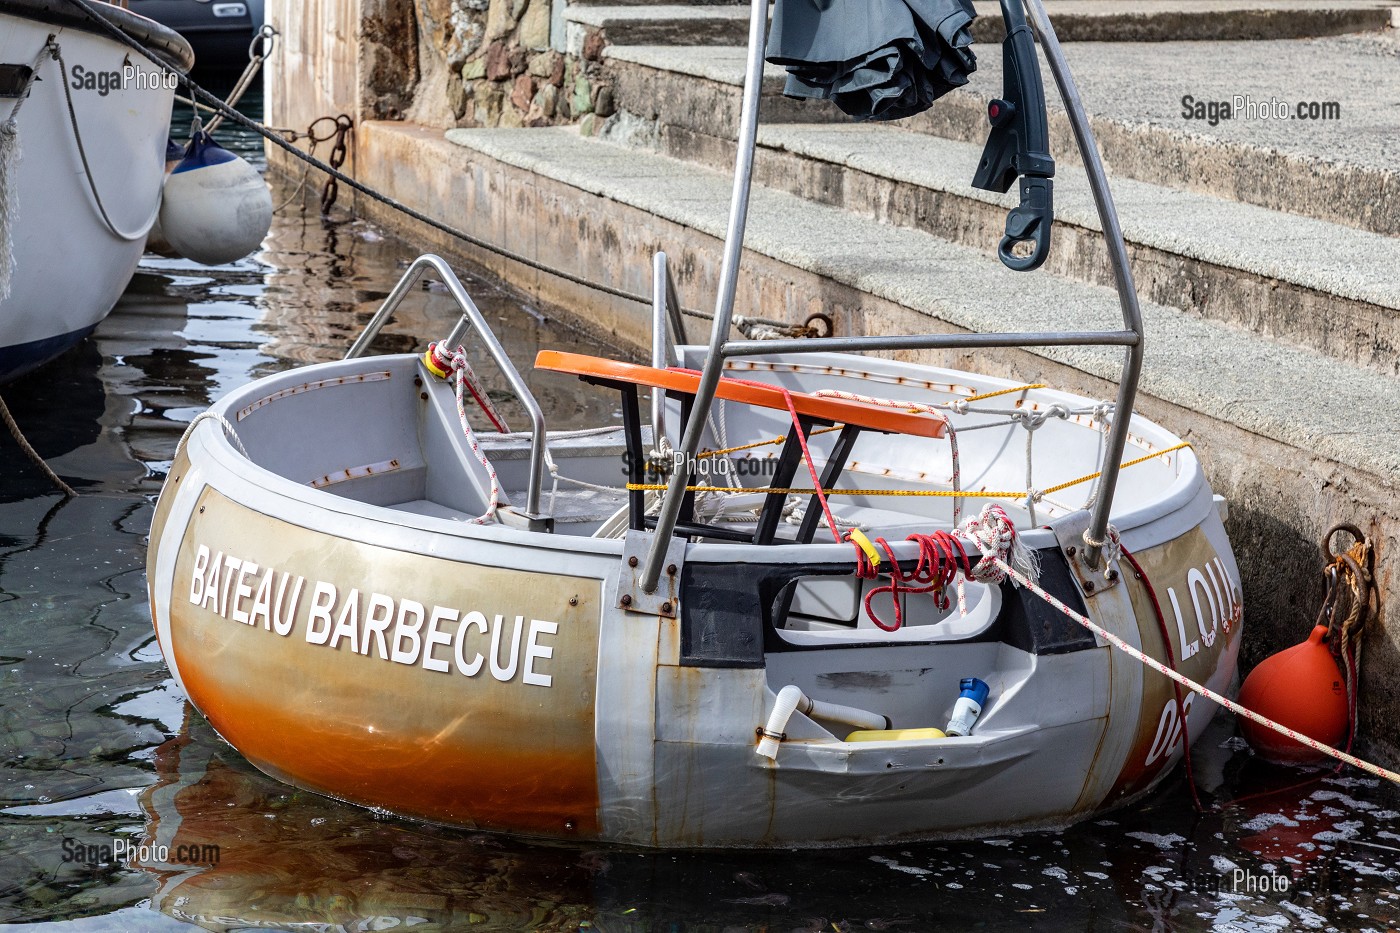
474,668
433,638
211,584
201,560
504,674
1195,646
349,622
241,591
410,632
533,650
1196,581
281,625
378,615
262,602
231,565
322,601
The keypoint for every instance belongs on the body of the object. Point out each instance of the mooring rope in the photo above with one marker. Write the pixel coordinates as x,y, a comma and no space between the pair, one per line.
990,550
31,453
57,51
1350,584
211,416
746,325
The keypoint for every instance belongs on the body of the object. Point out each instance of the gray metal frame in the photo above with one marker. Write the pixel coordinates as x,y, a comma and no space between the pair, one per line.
667,333
471,319
721,348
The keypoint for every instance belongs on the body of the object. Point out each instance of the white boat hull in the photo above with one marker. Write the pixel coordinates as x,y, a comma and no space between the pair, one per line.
69,265
372,646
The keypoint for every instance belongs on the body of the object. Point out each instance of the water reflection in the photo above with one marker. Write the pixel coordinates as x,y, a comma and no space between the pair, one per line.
292,860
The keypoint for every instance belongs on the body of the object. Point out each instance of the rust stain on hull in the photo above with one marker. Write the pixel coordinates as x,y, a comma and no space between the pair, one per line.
483,717
1202,611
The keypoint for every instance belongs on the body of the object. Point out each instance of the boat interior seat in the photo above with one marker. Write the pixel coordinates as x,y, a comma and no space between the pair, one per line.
849,416
685,382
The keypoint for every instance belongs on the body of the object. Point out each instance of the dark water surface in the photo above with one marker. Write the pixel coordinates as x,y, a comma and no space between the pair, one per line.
100,750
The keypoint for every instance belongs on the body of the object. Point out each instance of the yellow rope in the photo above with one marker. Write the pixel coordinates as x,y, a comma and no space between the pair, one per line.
986,395
783,437
1092,476
777,440
926,493
768,490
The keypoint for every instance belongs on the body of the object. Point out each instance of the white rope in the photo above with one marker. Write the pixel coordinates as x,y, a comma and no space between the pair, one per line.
991,533
212,416
922,408
996,537
31,453
9,174
9,202
561,435
1102,414
463,369
795,510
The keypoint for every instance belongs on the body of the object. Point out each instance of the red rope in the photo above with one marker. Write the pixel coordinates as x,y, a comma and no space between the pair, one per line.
811,466
941,556
801,439
445,364
1171,662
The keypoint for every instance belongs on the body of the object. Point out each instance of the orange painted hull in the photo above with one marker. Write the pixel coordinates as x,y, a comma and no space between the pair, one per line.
432,703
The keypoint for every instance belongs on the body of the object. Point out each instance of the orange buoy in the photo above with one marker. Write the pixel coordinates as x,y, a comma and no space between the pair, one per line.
1300,687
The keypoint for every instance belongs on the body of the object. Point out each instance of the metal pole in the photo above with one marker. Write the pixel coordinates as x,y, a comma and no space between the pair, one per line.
660,344
1122,275
471,316
386,310
724,300
1121,338
673,305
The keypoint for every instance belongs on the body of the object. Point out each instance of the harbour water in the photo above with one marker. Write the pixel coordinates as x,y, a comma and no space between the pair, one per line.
102,755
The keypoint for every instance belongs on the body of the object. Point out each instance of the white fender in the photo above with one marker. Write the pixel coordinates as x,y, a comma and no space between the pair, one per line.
216,207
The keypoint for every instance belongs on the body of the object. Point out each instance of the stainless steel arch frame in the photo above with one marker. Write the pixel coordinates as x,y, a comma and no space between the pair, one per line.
721,348
471,319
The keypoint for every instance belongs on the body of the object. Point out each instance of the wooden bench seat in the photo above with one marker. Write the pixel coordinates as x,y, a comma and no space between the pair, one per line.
811,411
687,382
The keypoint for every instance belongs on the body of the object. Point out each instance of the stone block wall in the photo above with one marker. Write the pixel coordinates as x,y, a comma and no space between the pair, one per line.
436,63
489,63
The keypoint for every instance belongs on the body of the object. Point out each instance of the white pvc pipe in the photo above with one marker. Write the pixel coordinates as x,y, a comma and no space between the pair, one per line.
835,712
791,699
787,701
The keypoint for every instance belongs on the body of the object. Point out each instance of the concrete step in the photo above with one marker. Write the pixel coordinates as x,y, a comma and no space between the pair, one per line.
1223,372
637,3
1346,171
721,22
659,24
1295,279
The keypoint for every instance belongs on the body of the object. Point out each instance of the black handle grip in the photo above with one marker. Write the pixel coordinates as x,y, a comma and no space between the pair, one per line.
1029,223
1018,145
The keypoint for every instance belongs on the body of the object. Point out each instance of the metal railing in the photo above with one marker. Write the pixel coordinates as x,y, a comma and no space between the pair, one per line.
721,348
471,319
667,334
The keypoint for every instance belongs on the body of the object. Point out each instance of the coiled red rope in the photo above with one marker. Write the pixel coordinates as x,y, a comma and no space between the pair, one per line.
941,556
